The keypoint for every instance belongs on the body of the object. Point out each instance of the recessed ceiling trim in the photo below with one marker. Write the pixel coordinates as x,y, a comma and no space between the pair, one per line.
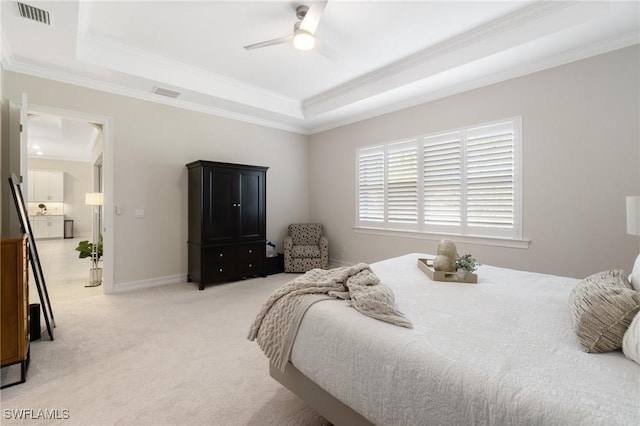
33,13
338,117
522,26
74,79
331,120
116,56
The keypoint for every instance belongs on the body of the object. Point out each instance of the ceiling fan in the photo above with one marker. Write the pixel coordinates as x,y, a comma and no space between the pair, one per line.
304,29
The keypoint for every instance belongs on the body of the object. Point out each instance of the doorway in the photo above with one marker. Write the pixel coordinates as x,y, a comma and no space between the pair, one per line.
83,173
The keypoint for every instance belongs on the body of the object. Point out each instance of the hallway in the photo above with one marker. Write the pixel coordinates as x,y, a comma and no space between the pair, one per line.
65,274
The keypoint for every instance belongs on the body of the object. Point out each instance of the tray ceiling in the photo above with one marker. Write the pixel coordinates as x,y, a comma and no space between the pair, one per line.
375,57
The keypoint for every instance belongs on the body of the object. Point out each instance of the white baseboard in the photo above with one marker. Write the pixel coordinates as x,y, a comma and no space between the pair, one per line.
153,282
182,278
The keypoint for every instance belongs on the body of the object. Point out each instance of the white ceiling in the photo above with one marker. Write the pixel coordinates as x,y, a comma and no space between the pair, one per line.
386,55
58,138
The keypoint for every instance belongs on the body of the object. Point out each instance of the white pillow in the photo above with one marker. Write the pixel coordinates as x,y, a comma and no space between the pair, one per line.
631,340
634,278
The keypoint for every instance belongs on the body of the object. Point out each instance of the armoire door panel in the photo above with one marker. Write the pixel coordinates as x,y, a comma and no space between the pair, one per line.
219,219
250,217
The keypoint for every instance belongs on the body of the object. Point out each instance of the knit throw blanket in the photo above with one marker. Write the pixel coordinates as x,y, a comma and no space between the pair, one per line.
276,325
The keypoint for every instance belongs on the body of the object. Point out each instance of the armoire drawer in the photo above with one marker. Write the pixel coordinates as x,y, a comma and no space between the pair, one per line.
219,255
219,271
251,259
250,252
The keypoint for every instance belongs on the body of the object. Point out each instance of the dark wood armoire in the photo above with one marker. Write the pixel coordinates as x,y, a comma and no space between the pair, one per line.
227,221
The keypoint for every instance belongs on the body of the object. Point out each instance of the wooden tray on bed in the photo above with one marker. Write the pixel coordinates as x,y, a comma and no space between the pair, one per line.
427,267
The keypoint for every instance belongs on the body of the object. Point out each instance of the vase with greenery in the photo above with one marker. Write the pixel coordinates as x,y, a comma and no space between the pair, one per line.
43,208
87,250
466,264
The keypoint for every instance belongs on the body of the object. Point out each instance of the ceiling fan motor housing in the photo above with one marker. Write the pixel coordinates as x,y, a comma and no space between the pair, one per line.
301,11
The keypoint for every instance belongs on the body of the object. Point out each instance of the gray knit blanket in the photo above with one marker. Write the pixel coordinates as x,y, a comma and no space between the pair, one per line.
276,325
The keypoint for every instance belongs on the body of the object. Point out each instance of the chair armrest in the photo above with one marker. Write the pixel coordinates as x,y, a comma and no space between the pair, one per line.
288,243
324,244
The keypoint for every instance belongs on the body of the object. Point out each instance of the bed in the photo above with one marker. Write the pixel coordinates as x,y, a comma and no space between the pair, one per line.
502,351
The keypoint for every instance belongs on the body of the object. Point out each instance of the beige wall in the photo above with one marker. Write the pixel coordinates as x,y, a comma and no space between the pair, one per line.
9,160
151,145
581,158
581,155
77,182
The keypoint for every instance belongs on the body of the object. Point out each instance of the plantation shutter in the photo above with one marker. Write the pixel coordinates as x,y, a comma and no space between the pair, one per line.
490,178
461,182
442,182
402,184
371,185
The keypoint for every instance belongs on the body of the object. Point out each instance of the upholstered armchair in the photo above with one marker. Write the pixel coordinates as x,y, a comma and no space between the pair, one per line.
305,248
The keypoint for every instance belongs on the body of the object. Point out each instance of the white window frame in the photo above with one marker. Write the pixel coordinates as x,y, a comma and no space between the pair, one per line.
514,233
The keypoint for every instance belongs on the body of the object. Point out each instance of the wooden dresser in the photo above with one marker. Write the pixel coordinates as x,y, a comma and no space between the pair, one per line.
14,305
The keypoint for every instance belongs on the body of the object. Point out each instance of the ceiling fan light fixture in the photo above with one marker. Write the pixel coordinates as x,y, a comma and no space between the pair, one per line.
303,40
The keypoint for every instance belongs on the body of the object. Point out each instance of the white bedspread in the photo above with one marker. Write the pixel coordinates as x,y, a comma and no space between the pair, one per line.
499,352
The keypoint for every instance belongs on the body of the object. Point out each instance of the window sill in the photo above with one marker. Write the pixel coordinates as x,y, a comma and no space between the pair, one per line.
467,239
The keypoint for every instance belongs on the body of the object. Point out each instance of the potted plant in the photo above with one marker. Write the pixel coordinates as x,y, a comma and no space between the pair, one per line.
87,249
465,264
43,208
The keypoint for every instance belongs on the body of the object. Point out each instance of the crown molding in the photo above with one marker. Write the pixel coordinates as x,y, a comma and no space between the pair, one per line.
619,42
107,53
69,78
345,104
485,40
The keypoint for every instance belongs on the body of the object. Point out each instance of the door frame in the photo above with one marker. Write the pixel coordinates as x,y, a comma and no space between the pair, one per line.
107,169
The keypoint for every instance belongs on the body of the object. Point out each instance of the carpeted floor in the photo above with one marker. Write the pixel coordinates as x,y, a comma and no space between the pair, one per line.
169,355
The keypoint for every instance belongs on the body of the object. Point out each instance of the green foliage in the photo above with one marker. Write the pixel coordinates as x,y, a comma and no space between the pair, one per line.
42,206
86,249
468,262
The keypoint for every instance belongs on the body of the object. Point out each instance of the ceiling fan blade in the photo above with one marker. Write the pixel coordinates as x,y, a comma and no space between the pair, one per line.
312,18
328,52
273,42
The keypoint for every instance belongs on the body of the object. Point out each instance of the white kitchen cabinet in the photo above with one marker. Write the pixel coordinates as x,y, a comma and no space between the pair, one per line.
47,226
45,185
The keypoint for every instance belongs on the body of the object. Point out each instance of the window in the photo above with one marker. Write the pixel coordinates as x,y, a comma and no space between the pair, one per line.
462,182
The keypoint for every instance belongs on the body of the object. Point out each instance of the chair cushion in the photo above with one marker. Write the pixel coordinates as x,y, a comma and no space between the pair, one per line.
305,233
305,251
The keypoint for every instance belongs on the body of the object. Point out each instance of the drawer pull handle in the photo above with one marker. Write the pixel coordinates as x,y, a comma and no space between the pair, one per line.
220,254
250,265
250,251
220,269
